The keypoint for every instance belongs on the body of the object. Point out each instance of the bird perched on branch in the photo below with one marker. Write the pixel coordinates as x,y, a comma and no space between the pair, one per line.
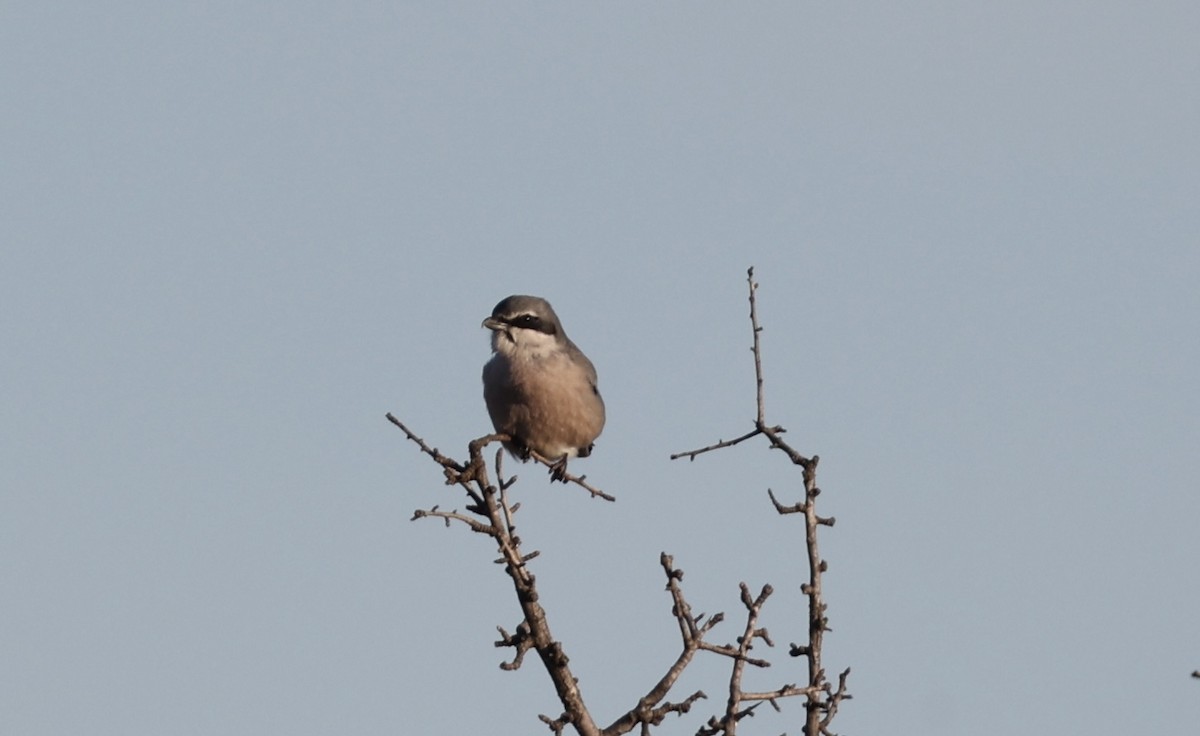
540,389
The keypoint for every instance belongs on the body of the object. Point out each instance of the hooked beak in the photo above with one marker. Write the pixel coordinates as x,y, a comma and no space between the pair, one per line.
493,324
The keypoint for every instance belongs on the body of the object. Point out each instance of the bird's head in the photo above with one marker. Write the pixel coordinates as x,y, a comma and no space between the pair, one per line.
521,323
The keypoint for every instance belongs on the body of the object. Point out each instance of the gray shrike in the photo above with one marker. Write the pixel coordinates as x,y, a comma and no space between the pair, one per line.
540,389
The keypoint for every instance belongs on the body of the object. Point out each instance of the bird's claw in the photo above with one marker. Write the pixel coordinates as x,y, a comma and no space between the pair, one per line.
558,470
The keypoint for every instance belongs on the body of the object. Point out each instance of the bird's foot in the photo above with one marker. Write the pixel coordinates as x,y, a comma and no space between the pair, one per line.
558,470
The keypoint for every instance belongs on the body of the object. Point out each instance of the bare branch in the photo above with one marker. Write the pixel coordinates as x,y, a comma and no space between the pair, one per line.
448,515
781,509
734,711
822,701
691,454
520,641
773,695
756,330
833,700
777,442
556,724
491,502
579,480
438,457
648,711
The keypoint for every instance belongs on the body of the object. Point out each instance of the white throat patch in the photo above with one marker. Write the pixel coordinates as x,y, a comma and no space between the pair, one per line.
519,340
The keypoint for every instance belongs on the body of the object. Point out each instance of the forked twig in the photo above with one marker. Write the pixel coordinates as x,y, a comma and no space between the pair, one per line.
822,699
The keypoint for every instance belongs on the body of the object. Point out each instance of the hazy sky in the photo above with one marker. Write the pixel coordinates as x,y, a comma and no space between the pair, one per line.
236,234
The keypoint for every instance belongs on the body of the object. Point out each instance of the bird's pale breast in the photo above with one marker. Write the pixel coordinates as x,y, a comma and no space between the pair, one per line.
549,403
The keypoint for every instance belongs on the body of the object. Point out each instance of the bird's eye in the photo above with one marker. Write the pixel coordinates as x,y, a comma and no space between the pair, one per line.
533,322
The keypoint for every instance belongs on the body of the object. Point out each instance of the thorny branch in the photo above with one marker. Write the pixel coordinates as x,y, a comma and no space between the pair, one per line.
823,699
493,515
692,630
491,512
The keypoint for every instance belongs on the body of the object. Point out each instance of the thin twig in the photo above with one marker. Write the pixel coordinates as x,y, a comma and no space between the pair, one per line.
562,475
454,515
438,457
756,329
691,454
520,641
650,708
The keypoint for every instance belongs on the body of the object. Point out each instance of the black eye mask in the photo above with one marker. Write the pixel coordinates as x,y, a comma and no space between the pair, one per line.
532,322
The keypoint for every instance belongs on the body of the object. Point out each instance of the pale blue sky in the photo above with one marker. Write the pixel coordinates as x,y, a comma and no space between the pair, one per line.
235,235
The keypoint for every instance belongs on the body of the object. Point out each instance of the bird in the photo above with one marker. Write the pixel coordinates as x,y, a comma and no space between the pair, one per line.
540,389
